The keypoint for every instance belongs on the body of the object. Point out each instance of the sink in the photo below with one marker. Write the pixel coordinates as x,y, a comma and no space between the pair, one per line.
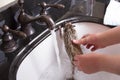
37,60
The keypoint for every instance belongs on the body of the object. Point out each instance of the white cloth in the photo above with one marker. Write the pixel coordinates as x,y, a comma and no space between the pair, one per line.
112,15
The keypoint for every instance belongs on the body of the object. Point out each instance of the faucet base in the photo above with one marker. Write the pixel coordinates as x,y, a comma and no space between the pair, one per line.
28,29
9,47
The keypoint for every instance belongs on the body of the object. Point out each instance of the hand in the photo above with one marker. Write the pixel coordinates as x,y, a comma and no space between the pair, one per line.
93,62
88,63
90,41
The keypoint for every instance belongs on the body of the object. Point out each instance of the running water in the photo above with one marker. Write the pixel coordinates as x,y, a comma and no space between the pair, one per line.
57,51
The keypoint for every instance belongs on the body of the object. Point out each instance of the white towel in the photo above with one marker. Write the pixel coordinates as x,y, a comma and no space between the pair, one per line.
112,15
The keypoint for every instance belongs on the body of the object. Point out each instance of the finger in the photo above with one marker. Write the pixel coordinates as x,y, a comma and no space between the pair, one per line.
94,48
76,63
89,46
82,41
76,57
76,41
86,40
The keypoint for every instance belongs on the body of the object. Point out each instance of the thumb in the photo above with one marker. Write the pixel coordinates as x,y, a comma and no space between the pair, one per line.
76,41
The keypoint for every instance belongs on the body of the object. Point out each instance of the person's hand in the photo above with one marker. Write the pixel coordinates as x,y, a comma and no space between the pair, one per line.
93,62
91,41
88,63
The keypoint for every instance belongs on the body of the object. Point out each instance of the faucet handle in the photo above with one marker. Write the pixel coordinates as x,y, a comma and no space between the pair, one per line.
21,3
18,33
45,5
8,43
5,28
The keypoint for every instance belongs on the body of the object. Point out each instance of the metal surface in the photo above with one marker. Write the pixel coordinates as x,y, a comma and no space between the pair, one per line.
9,45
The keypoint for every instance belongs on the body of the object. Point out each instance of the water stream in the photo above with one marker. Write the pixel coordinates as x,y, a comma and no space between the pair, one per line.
57,51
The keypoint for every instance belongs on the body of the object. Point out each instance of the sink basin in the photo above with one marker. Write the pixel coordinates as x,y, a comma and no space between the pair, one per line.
37,60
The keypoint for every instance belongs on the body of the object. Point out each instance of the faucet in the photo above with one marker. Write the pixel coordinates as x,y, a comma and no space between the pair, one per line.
25,20
8,44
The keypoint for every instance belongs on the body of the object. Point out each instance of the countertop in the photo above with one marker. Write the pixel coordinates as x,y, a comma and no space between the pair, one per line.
4,4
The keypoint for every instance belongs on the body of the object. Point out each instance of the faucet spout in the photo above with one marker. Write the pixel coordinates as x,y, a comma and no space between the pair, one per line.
42,18
48,20
25,19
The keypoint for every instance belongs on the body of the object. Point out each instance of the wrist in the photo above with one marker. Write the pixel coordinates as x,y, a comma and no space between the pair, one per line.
101,62
109,63
101,40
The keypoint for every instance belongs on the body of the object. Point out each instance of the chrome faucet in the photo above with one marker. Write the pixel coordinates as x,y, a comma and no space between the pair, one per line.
25,20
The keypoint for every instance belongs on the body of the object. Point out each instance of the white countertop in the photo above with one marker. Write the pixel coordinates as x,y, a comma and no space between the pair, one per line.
4,4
